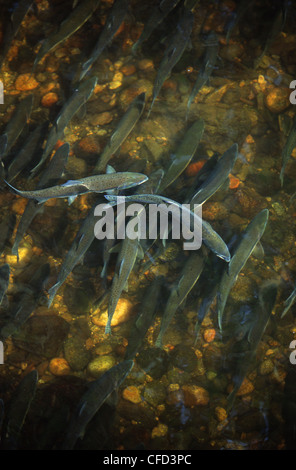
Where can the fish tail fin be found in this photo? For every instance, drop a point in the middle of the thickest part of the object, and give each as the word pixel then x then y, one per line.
pixel 150 109
pixel 16 191
pixel 108 328
pixel 52 292
pixel 282 176
pixel 14 250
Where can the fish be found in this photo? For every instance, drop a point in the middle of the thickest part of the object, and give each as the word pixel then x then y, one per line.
pixel 130 249
pixel 211 54
pixel 78 16
pixel 237 16
pixel 248 240
pixel 25 155
pixel 249 345
pixel 190 4
pixel 201 177
pixel 158 14
pixel 176 46
pixel 12 26
pixel 28 302
pixel 6 231
pixel 277 27
pixel 18 122
pixel 72 188
pixel 189 277
pixel 18 409
pixel 209 283
pixel 80 96
pixel 211 239
pixel 124 128
pixel 149 186
pixel 145 318
pixel 217 177
pixel 113 22
pixel 184 154
pixel 3 145
pixel 288 148
pixel 84 238
pixel 50 175
pixel 289 302
pixel 4 280
pixel 97 393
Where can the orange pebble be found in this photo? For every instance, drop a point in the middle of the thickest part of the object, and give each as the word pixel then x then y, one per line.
pixel 25 82
pixel 209 335
pixel 233 182
pixel 49 99
pixel 194 168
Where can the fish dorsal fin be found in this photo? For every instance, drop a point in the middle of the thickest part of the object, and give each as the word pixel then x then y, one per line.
pixel 71 183
pixel 110 170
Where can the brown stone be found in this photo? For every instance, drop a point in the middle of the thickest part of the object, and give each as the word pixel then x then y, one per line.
pixel 49 99
pixel 89 145
pixel 277 100
pixel 102 119
pixel 195 395
pixel 128 70
pixel 59 366
pixel 26 82
pixel 132 394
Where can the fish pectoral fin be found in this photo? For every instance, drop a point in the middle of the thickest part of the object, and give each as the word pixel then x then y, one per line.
pixel 71 199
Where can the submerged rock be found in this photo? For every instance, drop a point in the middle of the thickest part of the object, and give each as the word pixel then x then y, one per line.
pixel 76 353
pixel 154 361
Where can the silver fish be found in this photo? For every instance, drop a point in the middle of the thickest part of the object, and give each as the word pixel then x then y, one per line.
pixel 50 175
pixel 28 302
pixel 248 241
pixel 124 266
pixel 78 98
pixel 69 26
pixel 217 177
pixel 18 409
pixel 79 247
pixel 124 128
pixel 25 155
pixel 289 302
pixel 288 148
pixel 12 26
pixel 158 14
pixel 212 48
pixel 96 183
pixel 113 22
pixel 277 27
pixel 17 122
pixel 262 314
pixel 184 154
pixel 237 16
pixel 93 399
pixel 177 45
pixel 144 320
pixel 189 277
pixel 211 239
pixel 4 280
